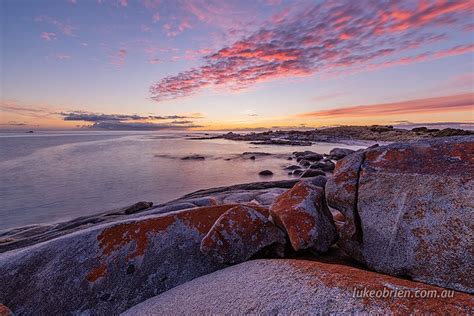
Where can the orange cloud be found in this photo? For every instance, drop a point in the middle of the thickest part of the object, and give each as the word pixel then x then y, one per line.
pixel 452 103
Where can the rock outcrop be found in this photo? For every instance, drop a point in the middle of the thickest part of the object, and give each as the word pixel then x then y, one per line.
pixel 303 214
pixel 409 209
pixel 240 233
pixel 110 267
pixel 302 287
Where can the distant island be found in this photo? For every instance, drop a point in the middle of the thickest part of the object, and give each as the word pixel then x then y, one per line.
pixel 381 133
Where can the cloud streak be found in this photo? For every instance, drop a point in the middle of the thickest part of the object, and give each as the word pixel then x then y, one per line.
pixel 452 103
pixel 98 117
pixel 324 37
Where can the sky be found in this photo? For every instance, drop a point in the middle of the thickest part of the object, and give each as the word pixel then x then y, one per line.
pixel 219 64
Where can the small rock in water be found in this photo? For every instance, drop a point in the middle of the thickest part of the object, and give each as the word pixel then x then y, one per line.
pixel 339 153
pixel 265 173
pixel 240 233
pixel 252 158
pixel 194 157
pixel 327 165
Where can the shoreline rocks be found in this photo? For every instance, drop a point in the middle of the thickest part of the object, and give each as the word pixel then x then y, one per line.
pixel 409 210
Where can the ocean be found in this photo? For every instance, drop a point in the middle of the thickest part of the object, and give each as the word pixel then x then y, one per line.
pixel 48 177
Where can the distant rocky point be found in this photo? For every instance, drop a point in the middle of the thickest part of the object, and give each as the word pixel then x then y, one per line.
pixel 381 133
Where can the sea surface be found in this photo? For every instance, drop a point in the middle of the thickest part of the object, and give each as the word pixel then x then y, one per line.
pixel 48 177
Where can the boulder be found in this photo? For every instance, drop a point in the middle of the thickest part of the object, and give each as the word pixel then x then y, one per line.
pixel 240 233
pixel 339 153
pixel 327 165
pixel 292 167
pixel 108 268
pixel 311 173
pixel 311 157
pixel 5 311
pixel 319 181
pixel 409 210
pixel 265 173
pixel 303 214
pixel 302 287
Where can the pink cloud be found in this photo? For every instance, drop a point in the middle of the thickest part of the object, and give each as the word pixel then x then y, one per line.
pixel 62 56
pixel 64 28
pixel 123 3
pixel 48 36
pixel 155 61
pixel 118 58
pixel 145 28
pixel 452 103
pixel 156 17
pixel 326 37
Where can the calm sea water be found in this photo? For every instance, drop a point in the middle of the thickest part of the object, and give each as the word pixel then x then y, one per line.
pixel 48 177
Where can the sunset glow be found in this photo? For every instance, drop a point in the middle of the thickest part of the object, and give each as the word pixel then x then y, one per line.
pixel 209 65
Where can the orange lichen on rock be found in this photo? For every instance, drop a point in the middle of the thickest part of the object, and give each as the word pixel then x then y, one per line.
pixel 5 311
pixel 352 279
pixel 302 213
pixel 240 233
pixel 96 273
pixel 138 233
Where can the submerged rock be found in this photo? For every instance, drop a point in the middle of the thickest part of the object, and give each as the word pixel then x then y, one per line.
pixel 303 214
pixel 409 211
pixel 240 233
pixel 301 287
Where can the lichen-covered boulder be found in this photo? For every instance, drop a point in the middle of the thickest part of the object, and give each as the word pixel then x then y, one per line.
pixel 409 209
pixel 5 311
pixel 108 268
pixel 303 214
pixel 302 287
pixel 240 233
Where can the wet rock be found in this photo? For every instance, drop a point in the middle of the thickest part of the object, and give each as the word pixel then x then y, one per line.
pixel 303 214
pixel 327 165
pixel 292 167
pixel 301 287
pixel 312 173
pixel 339 153
pixel 319 181
pixel 298 172
pixel 194 157
pixel 265 173
pixel 252 157
pixel 240 233
pixel 77 270
pixel 409 210
pixel 138 207
pixel 304 163
pixel 313 157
